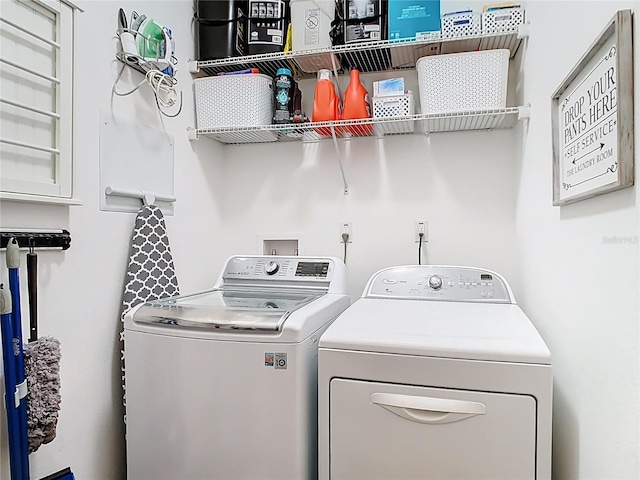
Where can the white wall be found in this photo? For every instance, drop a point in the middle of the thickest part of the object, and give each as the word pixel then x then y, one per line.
pixel 580 291
pixel 487 204
pixel 461 183
pixel 80 290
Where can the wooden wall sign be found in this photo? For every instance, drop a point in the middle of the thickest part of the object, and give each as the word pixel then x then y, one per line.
pixel 592 118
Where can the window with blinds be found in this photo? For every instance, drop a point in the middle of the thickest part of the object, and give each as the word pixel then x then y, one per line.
pixel 36 99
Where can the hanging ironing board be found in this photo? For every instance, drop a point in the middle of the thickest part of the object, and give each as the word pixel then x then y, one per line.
pixel 150 271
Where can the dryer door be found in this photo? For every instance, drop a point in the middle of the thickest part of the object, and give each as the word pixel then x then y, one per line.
pixel 387 431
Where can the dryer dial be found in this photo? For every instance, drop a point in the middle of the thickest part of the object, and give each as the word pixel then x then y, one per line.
pixel 272 267
pixel 435 282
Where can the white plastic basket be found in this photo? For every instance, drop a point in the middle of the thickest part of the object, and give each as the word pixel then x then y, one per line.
pixel 391 107
pixel 498 21
pixel 461 24
pixel 463 81
pixel 233 100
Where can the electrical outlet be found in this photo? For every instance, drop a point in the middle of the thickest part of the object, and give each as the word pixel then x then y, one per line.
pixel 346 228
pixel 422 227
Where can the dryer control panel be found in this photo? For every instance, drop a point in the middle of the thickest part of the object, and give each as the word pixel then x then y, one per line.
pixel 439 282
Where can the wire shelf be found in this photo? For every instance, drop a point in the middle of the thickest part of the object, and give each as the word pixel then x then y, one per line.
pixel 471 120
pixel 368 56
pixel 371 127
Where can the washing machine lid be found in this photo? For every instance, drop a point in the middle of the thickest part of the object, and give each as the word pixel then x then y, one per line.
pixel 460 330
pixel 226 309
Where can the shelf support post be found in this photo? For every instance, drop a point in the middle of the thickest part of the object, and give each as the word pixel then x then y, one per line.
pixel 345 190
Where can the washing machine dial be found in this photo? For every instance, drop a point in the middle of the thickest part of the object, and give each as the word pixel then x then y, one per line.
pixel 435 282
pixel 272 267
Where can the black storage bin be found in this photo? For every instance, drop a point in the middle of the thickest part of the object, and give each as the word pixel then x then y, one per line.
pixel 357 22
pixel 364 20
pixel 267 24
pixel 220 28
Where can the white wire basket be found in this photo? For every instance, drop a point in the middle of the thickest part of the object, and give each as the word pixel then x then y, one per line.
pixel 461 24
pixel 393 107
pixel 238 100
pixel 503 20
pixel 463 81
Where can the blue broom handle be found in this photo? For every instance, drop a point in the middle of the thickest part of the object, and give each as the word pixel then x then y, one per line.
pixel 8 357
pixel 13 263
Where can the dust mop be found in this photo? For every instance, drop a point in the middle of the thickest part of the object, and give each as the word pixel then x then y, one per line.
pixel 42 370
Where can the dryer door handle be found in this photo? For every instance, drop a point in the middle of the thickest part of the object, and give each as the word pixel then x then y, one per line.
pixel 428 409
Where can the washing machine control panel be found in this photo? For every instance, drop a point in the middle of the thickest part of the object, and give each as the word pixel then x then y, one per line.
pixel 280 268
pixel 429 282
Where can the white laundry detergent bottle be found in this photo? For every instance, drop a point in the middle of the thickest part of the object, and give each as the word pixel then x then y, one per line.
pixel 310 27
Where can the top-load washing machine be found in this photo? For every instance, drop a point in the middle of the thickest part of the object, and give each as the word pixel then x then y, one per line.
pixel 434 373
pixel 222 384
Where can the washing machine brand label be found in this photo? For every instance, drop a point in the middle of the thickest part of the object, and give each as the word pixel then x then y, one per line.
pixel 276 360
pixel 268 360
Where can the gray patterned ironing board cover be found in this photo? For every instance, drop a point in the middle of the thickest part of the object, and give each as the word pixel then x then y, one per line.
pixel 150 271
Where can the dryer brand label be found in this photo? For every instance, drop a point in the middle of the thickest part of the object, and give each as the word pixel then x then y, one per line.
pixel 276 360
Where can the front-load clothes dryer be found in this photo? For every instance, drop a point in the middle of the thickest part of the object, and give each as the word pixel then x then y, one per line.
pixel 222 384
pixel 435 372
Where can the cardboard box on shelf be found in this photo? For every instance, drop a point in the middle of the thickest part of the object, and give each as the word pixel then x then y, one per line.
pixel 413 19
pixel 391 86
